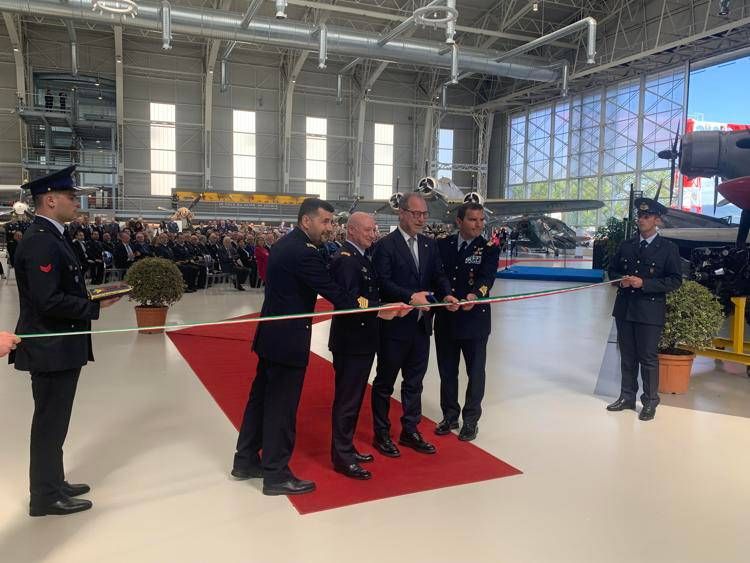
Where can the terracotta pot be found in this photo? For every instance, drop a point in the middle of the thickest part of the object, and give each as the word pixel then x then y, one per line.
pixel 674 373
pixel 150 316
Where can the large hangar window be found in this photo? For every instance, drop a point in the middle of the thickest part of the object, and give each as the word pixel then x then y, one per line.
pixel 383 161
pixel 316 154
pixel 163 149
pixel 243 149
pixel 595 144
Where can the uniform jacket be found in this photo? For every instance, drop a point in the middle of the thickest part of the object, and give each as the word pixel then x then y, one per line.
pixel 53 298
pixel 354 334
pixel 398 279
pixel 296 274
pixel 659 266
pixel 471 271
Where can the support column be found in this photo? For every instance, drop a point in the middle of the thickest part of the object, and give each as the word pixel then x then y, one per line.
pixel 15 41
pixel 286 140
pixel 359 147
pixel 117 188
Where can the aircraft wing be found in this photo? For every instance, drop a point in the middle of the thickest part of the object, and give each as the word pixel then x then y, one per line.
pixel 539 206
pixel 366 205
pixel 679 219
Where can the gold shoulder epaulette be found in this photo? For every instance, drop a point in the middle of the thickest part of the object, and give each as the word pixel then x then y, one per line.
pixel 345 253
pixel 311 245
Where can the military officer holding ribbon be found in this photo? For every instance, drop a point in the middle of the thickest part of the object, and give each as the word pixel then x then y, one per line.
pixel 354 340
pixel 296 274
pixel 470 263
pixel 53 298
pixel 648 267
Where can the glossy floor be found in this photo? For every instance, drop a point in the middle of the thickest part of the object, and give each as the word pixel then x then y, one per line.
pixel 596 486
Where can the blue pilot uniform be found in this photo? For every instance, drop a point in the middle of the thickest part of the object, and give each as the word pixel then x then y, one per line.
pixel 354 341
pixel 53 298
pixel 471 267
pixel 296 274
pixel 639 313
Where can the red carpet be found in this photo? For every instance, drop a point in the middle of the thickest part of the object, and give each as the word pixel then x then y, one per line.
pixel 222 359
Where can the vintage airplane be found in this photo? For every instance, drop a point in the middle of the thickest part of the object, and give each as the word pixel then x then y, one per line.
pixel 444 198
pixel 706 154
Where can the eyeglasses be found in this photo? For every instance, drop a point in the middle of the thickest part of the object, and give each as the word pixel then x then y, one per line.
pixel 418 214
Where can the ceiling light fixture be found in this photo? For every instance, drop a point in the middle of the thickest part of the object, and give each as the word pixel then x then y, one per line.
pixel 535 7
pixel 724 8
pixel 115 7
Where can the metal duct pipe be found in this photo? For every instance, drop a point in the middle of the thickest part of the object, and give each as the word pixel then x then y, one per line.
pixel 454 64
pixel 216 24
pixel 252 9
pixel 73 47
pixel 450 27
pixel 224 77
pixel 166 25
pixel 323 44
pixel 567 30
pixel 280 9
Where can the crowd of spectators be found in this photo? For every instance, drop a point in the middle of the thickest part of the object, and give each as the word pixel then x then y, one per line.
pixel 202 248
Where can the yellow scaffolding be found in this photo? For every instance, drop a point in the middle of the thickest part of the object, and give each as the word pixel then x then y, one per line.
pixel 734 348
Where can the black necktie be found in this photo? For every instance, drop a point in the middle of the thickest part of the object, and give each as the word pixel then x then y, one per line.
pixel 462 247
pixel 644 244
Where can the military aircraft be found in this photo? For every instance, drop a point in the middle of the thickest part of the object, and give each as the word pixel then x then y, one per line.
pixel 706 154
pixel 444 198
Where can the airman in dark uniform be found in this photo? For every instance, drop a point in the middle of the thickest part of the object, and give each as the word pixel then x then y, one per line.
pixel 648 267
pixel 297 273
pixel 354 341
pixel 471 264
pixel 53 298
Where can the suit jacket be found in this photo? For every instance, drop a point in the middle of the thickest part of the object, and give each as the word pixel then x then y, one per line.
pixel 399 279
pixel 471 271
pixel 120 256
pixel 659 266
pixel 53 298
pixel 354 334
pixel 296 274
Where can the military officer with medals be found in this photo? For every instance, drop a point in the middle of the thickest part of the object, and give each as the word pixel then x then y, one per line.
pixel 296 274
pixel 354 340
pixel 470 262
pixel 53 298
pixel 647 267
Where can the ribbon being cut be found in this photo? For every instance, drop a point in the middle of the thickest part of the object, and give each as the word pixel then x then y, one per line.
pixel 485 300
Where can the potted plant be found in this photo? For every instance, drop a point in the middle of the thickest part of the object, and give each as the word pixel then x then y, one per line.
pixel 157 283
pixel 693 319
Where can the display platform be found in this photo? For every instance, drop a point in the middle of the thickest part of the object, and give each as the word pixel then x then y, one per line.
pixel 551 274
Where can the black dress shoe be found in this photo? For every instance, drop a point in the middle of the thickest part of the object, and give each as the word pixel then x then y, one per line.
pixel 240 288
pixel 468 432
pixel 62 507
pixel 353 470
pixel 647 412
pixel 445 426
pixel 621 405
pixel 363 458
pixel 244 474
pixel 385 446
pixel 74 490
pixel 293 486
pixel 415 441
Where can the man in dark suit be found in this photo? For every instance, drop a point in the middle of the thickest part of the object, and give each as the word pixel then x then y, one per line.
pixel 124 255
pixel 648 267
pixel 409 270
pixel 53 298
pixel 79 247
pixel 296 274
pixel 94 250
pixel 470 262
pixel 354 340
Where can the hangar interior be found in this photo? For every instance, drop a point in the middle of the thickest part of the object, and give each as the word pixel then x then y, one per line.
pixel 517 99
